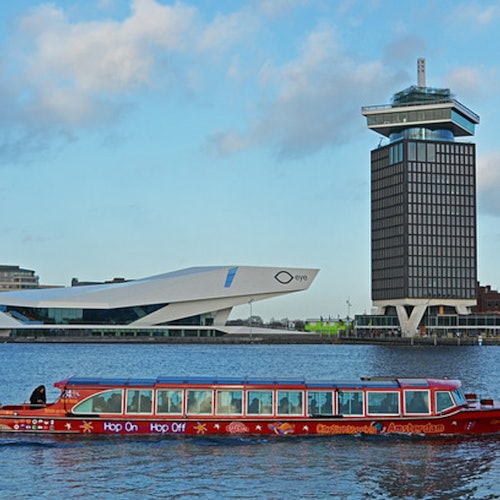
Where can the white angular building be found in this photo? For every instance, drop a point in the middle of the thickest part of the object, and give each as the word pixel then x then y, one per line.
pixel 190 302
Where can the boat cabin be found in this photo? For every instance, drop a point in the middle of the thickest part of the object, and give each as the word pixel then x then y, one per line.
pixel 176 397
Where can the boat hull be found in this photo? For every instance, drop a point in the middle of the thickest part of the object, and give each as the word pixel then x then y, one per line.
pixel 460 423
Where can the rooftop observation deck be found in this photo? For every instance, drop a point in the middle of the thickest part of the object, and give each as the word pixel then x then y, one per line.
pixel 423 107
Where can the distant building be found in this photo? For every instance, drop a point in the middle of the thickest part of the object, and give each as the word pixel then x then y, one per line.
pixel 328 326
pixel 423 206
pixel 488 300
pixel 77 282
pixel 17 278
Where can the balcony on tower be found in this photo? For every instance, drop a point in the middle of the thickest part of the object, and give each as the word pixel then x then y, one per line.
pixel 422 113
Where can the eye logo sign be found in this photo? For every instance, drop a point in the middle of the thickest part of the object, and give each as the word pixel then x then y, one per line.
pixel 283 277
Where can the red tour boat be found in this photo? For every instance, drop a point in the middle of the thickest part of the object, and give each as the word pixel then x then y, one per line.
pixel 258 406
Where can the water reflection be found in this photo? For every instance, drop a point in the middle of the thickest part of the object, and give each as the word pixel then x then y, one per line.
pixel 343 466
pixel 434 468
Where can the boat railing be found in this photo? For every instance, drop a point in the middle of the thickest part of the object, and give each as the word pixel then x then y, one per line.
pixel 22 406
pixel 487 402
pixel 471 397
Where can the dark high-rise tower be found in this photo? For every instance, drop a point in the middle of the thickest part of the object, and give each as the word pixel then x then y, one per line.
pixel 423 205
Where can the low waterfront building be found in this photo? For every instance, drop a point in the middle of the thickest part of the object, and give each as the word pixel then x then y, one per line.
pixel 190 302
pixel 329 326
pixel 438 322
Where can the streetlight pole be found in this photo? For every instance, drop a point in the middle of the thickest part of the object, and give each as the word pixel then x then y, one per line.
pixel 348 302
pixel 251 316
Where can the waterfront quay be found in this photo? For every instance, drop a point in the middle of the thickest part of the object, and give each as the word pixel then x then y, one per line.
pixel 267 338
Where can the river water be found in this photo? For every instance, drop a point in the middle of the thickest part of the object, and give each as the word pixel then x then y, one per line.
pixel 378 467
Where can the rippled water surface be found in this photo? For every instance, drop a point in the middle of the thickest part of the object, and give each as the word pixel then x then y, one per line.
pixel 246 467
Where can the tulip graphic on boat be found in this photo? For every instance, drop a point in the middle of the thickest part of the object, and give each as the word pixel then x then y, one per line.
pixel 282 428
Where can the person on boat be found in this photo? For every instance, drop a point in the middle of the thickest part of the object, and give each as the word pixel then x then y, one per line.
pixel 253 407
pixel 313 408
pixel 38 397
pixel 284 406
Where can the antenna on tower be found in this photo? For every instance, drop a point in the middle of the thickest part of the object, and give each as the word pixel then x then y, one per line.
pixel 421 71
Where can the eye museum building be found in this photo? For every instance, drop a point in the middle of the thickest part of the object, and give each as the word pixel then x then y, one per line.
pixel 190 302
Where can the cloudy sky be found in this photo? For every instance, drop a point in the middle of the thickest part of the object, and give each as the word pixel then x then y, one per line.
pixel 144 136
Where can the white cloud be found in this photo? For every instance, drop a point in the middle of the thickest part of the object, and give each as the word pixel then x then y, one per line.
pixel 476 14
pixel 58 75
pixel 65 75
pixel 477 81
pixel 312 102
pixel 102 56
pixel 488 182
pixel 226 29
pixel 466 78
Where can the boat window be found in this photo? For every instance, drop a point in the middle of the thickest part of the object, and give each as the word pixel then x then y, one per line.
pixel 443 401
pixel 383 403
pixel 289 402
pixel 417 402
pixel 229 402
pixel 103 402
pixel 259 402
pixel 350 403
pixel 139 400
pixel 169 401
pixel 199 402
pixel 319 403
pixel 459 396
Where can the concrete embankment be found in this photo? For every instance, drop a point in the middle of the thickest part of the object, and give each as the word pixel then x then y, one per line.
pixel 278 338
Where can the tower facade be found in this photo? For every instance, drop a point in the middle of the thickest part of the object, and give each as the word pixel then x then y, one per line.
pixel 423 205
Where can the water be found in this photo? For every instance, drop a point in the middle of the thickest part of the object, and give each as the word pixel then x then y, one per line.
pixel 354 467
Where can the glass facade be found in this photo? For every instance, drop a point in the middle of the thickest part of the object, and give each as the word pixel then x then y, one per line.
pixel 424 220
pixel 422 134
pixel 421 116
pixel 68 315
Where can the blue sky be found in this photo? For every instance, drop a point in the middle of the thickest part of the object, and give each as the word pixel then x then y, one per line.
pixel 143 136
